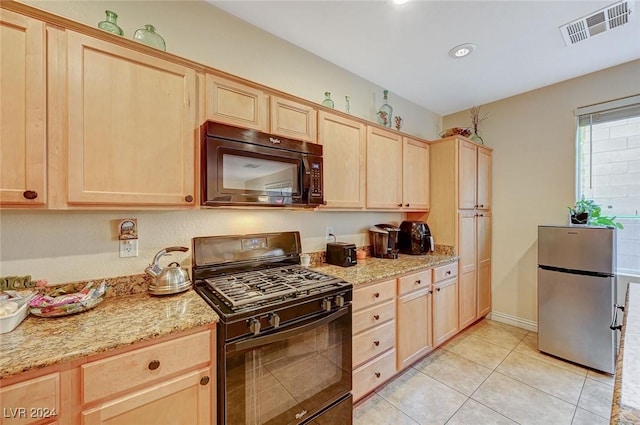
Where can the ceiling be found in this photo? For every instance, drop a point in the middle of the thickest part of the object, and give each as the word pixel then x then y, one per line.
pixel 404 48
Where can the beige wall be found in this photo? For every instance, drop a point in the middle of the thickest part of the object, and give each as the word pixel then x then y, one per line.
pixel 65 246
pixel 533 135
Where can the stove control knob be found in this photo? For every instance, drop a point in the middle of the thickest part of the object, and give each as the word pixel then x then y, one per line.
pixel 274 320
pixel 326 304
pixel 339 300
pixel 254 326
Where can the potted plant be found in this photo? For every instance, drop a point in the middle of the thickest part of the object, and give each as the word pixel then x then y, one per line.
pixel 587 212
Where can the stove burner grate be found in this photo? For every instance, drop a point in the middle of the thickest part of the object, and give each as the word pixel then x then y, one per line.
pixel 261 286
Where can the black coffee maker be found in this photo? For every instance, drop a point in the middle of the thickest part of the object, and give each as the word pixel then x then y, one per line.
pixel 415 238
pixel 384 241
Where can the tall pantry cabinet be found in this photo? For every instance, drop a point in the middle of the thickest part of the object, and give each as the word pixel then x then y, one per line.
pixel 460 216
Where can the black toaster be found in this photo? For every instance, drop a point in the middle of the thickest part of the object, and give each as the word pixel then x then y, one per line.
pixel 341 254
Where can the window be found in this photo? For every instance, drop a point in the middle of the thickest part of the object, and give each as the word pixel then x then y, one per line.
pixel 608 167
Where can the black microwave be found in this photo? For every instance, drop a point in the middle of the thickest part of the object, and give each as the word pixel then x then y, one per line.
pixel 242 167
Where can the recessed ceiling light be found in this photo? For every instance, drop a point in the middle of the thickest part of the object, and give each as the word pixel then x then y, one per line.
pixel 462 50
pixel 400 1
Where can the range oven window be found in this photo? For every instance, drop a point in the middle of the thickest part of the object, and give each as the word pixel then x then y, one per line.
pixel 287 379
pixel 259 175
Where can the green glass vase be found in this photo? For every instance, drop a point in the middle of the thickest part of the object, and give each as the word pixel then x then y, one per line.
pixel 150 37
pixel 110 24
pixel 327 100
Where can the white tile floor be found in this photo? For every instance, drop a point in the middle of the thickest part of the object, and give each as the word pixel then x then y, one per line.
pixel 491 373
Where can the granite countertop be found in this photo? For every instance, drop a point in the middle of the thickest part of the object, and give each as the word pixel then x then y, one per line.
pixel 625 407
pixel 373 269
pixel 118 321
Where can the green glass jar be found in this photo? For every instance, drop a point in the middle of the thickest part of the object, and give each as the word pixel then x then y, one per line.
pixel 150 37
pixel 385 113
pixel 110 23
pixel 327 100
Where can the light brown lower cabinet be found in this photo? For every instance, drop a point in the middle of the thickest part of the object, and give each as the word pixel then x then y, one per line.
pixel 374 336
pixel 182 400
pixel 161 382
pixel 415 338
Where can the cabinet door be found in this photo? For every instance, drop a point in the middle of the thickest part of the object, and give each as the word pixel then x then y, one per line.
pixel 445 310
pixel 484 179
pixel 344 145
pixel 30 401
pixel 182 400
pixel 23 140
pixel 132 129
pixel 236 104
pixel 467 173
pixel 292 119
pixel 468 269
pixel 415 169
pixel 384 169
pixel 484 263
pixel 414 326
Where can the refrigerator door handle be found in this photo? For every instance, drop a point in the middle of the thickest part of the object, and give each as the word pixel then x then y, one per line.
pixel 614 320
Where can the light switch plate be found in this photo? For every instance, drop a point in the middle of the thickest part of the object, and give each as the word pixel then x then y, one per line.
pixel 129 248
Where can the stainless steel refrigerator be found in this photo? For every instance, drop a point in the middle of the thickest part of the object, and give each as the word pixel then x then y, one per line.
pixel 576 294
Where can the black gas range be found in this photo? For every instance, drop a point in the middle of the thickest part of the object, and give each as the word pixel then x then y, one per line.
pixel 283 329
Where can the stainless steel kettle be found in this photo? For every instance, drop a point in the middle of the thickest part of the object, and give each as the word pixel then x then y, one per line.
pixel 171 279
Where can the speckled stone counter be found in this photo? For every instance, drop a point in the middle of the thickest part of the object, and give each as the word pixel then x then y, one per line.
pixel 116 322
pixel 625 407
pixel 373 269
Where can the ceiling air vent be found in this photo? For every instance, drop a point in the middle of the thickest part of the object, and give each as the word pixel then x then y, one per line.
pixel 603 20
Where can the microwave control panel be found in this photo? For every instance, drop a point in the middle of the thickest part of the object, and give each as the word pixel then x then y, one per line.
pixel 315 190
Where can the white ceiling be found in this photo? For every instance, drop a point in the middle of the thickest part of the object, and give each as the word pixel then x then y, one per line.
pixel 405 48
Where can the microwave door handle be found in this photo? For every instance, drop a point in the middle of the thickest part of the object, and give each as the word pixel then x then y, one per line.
pixel 305 164
pixel 286 334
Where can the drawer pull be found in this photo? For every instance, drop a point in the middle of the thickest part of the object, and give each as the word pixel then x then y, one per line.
pixel 204 380
pixel 376 295
pixel 448 272
pixel 376 343
pixel 30 194
pixel 376 317
pixel 418 282
pixel 377 374
pixel 154 364
pixel 438 289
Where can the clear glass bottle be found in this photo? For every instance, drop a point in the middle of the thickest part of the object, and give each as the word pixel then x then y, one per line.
pixel 110 23
pixel 327 100
pixel 347 107
pixel 385 113
pixel 150 37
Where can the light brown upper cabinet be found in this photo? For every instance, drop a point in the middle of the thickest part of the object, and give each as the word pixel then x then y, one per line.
pixel 292 119
pixel 475 176
pixel 23 143
pixel 343 150
pixel 236 104
pixel 415 172
pixel 131 126
pixel 384 169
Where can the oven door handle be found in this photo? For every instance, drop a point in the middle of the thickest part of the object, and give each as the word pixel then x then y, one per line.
pixel 285 334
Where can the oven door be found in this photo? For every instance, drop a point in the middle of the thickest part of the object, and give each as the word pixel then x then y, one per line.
pixel 239 173
pixel 292 376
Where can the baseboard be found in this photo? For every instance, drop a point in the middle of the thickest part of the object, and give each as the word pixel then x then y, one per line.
pixel 529 325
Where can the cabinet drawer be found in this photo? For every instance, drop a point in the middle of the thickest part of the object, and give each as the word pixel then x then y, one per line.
pixel 30 401
pixel 373 316
pixel 373 294
pixel 369 344
pixel 413 282
pixel 373 374
pixel 445 272
pixel 112 375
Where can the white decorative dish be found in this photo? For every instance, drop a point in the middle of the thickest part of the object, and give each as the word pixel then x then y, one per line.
pixel 11 321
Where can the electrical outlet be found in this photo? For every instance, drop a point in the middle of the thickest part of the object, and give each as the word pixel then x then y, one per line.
pixel 128 248
pixel 329 234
